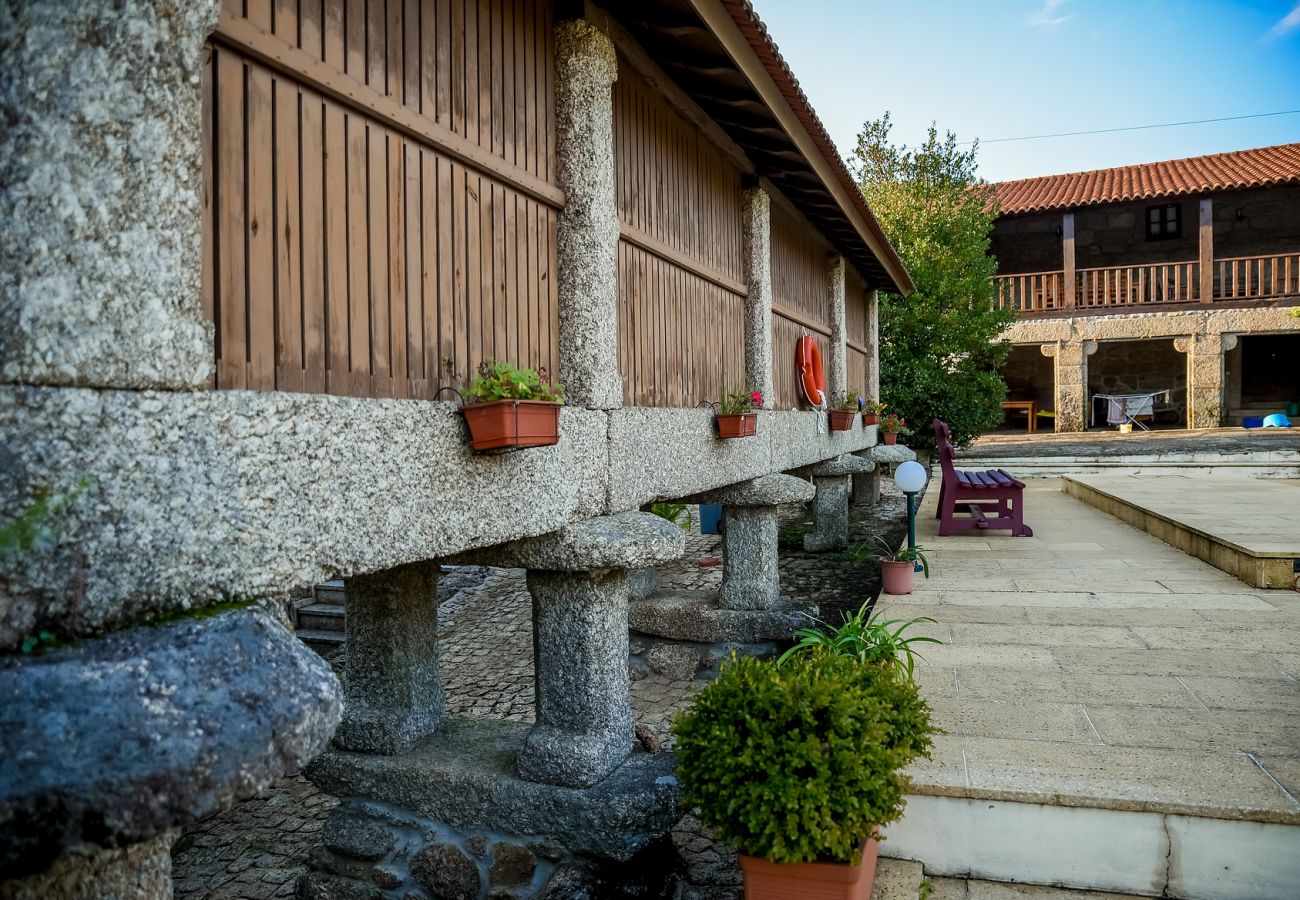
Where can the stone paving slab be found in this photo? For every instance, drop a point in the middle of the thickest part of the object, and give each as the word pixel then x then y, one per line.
pixel 1077 688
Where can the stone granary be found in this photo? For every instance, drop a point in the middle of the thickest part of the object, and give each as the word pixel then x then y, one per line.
pixel 1175 278
pixel 246 249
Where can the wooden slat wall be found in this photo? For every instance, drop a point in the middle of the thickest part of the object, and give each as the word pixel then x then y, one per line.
pixel 681 306
pixel 799 284
pixel 855 328
pixel 346 254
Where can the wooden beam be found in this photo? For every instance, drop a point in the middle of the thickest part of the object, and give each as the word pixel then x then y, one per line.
pixel 638 238
pixel 247 39
pixel 1207 250
pixel 799 318
pixel 1067 253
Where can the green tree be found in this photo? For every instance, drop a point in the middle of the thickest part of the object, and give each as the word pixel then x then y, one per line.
pixel 939 347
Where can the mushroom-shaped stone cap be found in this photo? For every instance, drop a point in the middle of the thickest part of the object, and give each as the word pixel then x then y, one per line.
pixel 892 453
pixel 625 540
pixel 847 464
pixel 768 490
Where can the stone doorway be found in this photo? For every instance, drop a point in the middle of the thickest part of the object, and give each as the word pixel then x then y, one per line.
pixel 1122 367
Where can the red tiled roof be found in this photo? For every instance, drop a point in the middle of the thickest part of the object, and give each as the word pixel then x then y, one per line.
pixel 1173 178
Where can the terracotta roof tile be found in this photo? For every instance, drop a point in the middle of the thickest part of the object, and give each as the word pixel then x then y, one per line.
pixel 1173 178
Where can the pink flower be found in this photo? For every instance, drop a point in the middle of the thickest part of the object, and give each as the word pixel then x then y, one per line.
pixel 757 397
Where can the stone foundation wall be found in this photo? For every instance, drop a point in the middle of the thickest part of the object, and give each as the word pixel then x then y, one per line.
pixel 1136 366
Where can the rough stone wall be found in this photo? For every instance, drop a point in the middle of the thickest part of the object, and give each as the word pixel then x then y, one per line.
pixel 100 173
pixel 756 256
pixel 1071 381
pixel 1269 222
pixel 1205 377
pixel 139 872
pixel 837 379
pixel 1120 367
pixel 587 234
pixel 1149 325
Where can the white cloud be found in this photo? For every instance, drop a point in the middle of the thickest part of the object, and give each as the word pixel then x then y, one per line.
pixel 1287 24
pixel 1047 17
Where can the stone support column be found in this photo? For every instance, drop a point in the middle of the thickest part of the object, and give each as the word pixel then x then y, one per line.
pixel 1205 376
pixel 831 503
pixel 1071 382
pixel 99 253
pixel 873 344
pixel 837 377
pixel 393 692
pixel 866 485
pixel 587 234
pixel 578 577
pixel 756 258
pixel 751 579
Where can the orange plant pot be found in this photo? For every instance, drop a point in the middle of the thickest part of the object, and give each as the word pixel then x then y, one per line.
pixel 871 418
pixel 889 437
pixel 810 881
pixel 842 419
pixel 898 578
pixel 512 424
pixel 736 425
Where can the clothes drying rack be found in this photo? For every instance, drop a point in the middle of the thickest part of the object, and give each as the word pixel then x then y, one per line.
pixel 1124 409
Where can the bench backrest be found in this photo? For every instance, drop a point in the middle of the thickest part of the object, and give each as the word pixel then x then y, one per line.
pixel 943 447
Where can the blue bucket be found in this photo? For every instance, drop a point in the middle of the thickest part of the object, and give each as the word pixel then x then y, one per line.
pixel 710 518
pixel 1252 422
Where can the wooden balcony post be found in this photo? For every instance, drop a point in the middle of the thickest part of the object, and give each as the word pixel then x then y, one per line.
pixel 1067 254
pixel 1207 251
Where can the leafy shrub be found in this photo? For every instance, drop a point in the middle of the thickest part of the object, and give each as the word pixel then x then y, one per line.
pixel 878 641
pixel 677 513
pixel 501 381
pixel 799 762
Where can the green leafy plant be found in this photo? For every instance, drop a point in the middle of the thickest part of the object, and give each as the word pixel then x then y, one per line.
pixel 874 406
pixel 677 513
pixel 800 762
pixel 740 401
pixel 498 380
pixel 846 401
pixel 32 530
pixel 894 424
pixel 886 552
pixel 877 641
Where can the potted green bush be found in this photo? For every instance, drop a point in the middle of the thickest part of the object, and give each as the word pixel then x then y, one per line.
pixel 799 764
pixel 510 408
pixel 844 409
pixel 898 566
pixel 735 416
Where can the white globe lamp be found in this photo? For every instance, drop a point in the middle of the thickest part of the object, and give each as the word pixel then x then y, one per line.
pixel 910 478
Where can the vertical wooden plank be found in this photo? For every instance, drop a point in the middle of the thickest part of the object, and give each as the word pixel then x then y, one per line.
pixel 208 204
pixel 488 267
pixel 335 203
pixel 412 56
pixel 357 167
pixel 1067 253
pixel 395 49
pixel 397 317
pixel 261 232
pixel 376 45
pixel 472 75
pixel 332 33
pixel 288 239
pixel 427 48
pixel 529 106
pixel 509 101
pixel 311 20
pixel 445 205
pixel 450 79
pixel 231 297
pixel 354 38
pixel 1206 243
pixel 313 146
pixel 496 85
pixel 378 251
pixel 419 324
pixel 509 314
pixel 284 22
pixel 259 13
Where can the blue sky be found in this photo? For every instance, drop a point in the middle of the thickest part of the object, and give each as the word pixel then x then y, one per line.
pixel 1006 68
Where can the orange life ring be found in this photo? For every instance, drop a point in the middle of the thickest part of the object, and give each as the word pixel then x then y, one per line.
pixel 812 377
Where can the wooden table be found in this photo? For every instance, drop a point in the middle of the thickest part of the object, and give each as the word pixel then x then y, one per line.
pixel 1027 406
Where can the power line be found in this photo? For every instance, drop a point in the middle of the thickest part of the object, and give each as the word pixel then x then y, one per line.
pixel 1039 137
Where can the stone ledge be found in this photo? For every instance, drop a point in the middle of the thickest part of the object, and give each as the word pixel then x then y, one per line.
pixel 892 453
pixel 696 616
pixel 847 464
pixel 623 541
pixel 117 740
pixel 769 490
pixel 465 775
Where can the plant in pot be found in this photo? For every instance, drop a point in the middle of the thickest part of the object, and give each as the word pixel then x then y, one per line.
pixel 510 408
pixel 898 566
pixel 891 426
pixel 844 409
pixel 735 416
pixel 872 410
pixel 878 641
pixel 799 764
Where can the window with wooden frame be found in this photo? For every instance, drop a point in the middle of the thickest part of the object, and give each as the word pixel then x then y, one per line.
pixel 1164 222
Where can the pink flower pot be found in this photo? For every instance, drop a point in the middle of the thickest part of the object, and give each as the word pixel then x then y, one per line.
pixel 898 577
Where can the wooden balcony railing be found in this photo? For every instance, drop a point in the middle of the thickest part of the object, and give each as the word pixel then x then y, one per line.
pixel 1235 278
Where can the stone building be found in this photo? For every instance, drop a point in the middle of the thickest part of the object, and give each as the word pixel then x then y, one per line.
pixel 247 247
pixel 1175 277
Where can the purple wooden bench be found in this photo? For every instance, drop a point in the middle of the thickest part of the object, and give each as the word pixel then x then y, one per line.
pixel 993 498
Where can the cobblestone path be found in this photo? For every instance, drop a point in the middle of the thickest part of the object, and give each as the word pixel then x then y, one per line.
pixel 257 849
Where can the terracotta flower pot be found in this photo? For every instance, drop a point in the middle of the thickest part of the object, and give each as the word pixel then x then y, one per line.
pixel 842 419
pixel 871 418
pixel 889 437
pixel 810 881
pixel 504 424
pixel 736 425
pixel 898 577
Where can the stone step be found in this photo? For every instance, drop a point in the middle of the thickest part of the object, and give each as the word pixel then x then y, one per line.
pixel 320 617
pixel 897 879
pixel 321 641
pixel 331 592
pixel 1114 847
